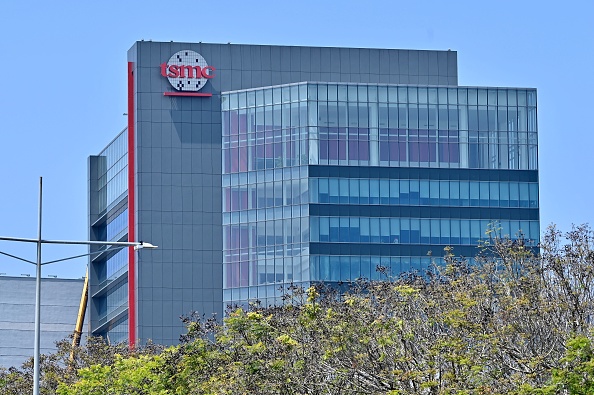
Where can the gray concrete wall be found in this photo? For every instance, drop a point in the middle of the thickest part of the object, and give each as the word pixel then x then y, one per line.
pixel 60 299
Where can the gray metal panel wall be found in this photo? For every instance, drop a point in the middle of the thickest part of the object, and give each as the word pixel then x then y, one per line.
pixel 60 300
pixel 178 158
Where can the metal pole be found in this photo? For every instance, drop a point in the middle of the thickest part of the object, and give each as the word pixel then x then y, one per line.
pixel 139 244
pixel 37 302
pixel 39 241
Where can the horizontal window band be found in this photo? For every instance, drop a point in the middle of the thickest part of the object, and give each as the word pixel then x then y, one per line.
pixel 421 173
pixel 377 249
pixel 432 212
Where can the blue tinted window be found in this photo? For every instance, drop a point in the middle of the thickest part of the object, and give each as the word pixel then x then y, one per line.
pixel 424 192
pixel 354 191
pixel 533 191
pixel 414 192
pixel 474 194
pixel 425 231
pixel 374 192
pixel 394 192
pixel 494 194
pixel 524 195
pixel 364 191
pixel 404 192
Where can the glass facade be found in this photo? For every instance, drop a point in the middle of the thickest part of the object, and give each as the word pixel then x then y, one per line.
pixel 332 268
pixel 112 167
pixel 267 245
pixel 309 166
pixel 412 230
pixel 118 332
pixel 109 282
pixel 424 192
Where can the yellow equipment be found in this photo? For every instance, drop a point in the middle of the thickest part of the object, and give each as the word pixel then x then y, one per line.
pixel 80 320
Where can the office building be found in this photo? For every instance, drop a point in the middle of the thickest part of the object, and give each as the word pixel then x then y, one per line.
pixel 255 167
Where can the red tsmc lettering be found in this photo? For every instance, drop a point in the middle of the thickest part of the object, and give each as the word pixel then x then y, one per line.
pixel 175 71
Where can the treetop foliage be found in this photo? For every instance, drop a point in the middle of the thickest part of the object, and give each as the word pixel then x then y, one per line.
pixel 514 322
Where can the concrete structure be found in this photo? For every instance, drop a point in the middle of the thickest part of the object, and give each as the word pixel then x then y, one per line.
pixel 60 299
pixel 254 167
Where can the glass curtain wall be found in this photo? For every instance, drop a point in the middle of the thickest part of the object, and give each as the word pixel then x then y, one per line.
pixel 271 136
pixel 110 296
pixel 265 192
pixel 409 126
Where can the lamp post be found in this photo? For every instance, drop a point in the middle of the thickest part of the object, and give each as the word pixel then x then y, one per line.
pixel 39 242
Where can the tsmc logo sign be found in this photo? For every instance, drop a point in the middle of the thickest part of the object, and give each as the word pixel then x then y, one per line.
pixel 187 72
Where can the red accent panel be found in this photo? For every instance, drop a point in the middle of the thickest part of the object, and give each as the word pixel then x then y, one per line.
pixel 186 94
pixel 131 212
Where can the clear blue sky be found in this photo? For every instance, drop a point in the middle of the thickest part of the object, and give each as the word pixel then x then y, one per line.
pixel 63 80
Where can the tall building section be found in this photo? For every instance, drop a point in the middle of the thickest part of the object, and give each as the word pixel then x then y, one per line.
pixel 108 219
pixel 256 167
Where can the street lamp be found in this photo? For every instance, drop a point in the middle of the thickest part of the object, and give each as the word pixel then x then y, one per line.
pixel 39 241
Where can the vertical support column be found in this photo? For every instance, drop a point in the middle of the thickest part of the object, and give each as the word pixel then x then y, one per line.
pixel 463 128
pixel 131 211
pixel 373 147
pixel 312 132
pixel 373 134
pixel 36 350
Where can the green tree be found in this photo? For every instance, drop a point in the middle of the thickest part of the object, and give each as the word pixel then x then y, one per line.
pixel 515 322
pixel 133 375
pixel 57 367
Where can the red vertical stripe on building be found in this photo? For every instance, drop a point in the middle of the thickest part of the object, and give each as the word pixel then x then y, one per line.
pixel 131 212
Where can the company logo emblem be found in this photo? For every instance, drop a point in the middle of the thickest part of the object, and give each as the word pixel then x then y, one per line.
pixel 187 72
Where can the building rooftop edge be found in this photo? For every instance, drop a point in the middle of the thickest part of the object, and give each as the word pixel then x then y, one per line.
pixel 381 84
pixel 32 278
pixel 292 46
